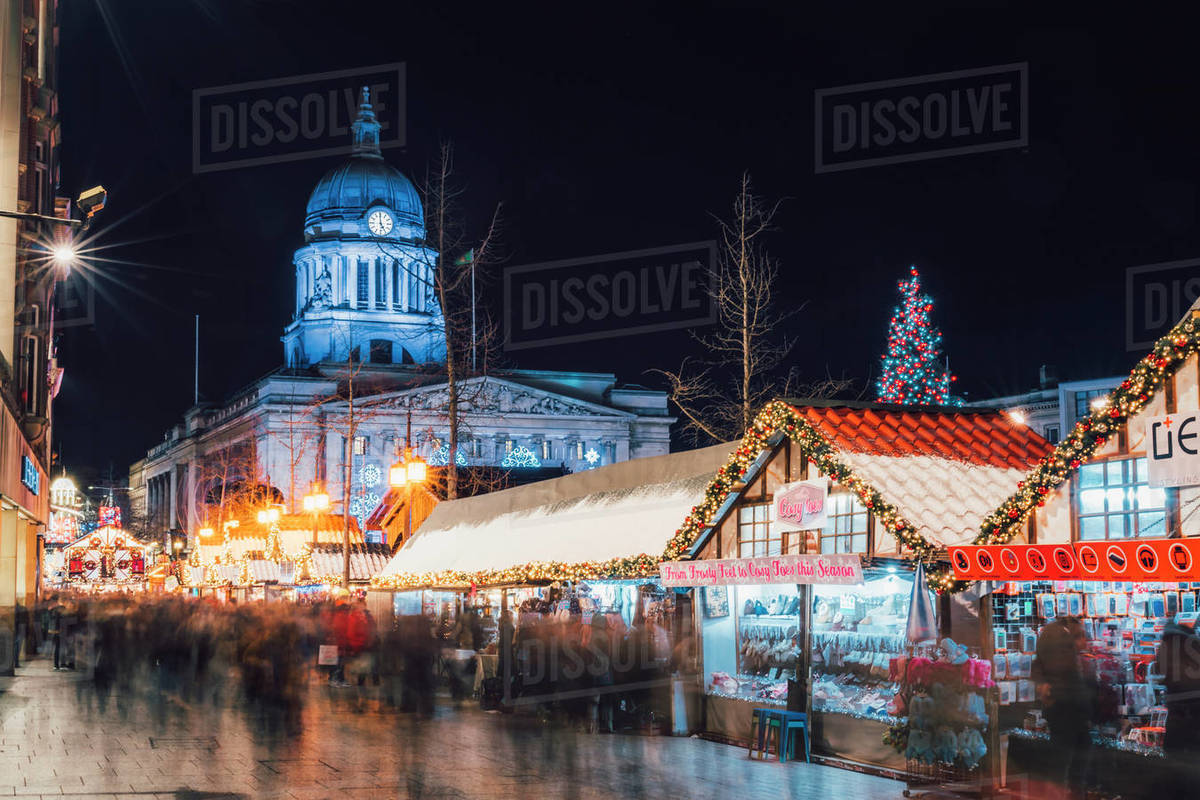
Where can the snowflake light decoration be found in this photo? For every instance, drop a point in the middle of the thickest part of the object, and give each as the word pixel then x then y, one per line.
pixel 591 456
pixel 361 506
pixel 370 475
pixel 521 456
pixel 440 457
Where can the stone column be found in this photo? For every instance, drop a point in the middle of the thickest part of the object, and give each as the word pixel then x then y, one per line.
pixel 9 567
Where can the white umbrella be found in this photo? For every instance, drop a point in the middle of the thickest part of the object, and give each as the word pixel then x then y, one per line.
pixel 922 620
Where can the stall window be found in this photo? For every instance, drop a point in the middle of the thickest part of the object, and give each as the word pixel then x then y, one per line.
pixel 846 531
pixel 754 532
pixel 1115 502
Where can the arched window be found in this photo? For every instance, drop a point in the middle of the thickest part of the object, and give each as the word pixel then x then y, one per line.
pixel 381 351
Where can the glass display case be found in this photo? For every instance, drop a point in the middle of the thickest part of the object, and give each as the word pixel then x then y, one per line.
pixel 856 631
pixel 753 641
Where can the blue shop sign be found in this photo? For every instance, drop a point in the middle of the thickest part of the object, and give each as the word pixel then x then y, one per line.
pixel 29 474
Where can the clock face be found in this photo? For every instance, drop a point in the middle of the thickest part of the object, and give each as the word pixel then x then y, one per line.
pixel 380 223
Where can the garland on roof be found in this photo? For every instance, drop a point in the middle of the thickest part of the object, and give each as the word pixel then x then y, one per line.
pixel 639 566
pixel 1089 435
pixel 779 417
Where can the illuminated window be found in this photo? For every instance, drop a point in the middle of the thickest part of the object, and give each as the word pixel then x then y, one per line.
pixel 1083 401
pixel 364 283
pixel 846 530
pixel 545 450
pixel 579 451
pixel 1113 501
pixel 754 532
pixel 508 446
pixel 361 443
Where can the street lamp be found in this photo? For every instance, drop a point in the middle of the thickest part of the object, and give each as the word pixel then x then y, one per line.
pixel 206 532
pixel 406 474
pixel 316 502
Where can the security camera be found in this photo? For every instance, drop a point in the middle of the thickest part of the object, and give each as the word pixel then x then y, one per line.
pixel 91 201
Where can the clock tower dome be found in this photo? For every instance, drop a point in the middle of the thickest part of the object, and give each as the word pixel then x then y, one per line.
pixel 364 277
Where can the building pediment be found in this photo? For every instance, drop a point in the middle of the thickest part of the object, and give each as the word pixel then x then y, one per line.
pixel 489 395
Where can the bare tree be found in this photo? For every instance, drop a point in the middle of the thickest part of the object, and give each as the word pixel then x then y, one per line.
pixel 719 394
pixel 299 434
pixel 231 483
pixel 457 267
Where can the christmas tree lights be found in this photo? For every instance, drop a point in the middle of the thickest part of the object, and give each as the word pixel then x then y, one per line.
pixel 914 370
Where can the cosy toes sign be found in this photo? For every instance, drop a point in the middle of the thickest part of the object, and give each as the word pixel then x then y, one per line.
pixel 800 506
pixel 1134 559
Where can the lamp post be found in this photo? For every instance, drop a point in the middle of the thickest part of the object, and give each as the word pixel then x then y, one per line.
pixel 316 502
pixel 406 474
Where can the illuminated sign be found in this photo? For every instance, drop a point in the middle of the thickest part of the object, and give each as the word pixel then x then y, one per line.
pixel 1131 559
pixel 29 474
pixel 801 506
pixel 1173 450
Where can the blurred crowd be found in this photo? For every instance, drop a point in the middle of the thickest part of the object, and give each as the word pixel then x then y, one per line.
pixel 593 671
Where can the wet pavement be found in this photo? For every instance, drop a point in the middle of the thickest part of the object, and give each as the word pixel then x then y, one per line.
pixel 56 741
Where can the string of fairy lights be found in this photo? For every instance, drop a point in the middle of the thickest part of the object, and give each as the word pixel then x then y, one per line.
pixel 1089 435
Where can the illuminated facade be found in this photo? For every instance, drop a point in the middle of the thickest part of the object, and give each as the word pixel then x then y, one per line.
pixel 364 310
pixel 29 149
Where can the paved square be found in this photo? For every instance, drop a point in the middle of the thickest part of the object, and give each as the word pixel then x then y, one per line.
pixel 55 741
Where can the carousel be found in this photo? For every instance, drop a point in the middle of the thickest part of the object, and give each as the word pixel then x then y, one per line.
pixel 106 559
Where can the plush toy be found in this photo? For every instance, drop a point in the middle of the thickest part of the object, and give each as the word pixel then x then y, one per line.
pixel 971 747
pixel 955 653
pixel 945 745
pixel 920 745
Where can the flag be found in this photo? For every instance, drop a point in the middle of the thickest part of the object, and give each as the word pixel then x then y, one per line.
pixel 465 259
pixel 922 621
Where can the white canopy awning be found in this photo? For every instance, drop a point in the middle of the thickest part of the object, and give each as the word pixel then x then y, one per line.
pixel 617 511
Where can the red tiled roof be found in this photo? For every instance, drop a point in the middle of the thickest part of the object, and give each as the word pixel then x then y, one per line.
pixel 987 438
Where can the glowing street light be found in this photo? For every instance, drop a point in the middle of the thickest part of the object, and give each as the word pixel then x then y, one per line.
pixel 206 532
pixel 268 516
pixel 64 255
pixel 407 474
pixel 315 502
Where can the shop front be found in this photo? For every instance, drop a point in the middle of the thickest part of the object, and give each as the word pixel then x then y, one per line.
pixel 1102 531
pixel 815 486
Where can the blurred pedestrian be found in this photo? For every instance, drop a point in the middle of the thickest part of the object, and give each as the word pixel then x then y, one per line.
pixel 1068 700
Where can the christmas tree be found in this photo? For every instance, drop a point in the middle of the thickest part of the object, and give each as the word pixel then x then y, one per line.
pixel 914 370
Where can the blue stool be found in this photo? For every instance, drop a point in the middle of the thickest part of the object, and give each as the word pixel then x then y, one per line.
pixel 762 723
pixel 795 722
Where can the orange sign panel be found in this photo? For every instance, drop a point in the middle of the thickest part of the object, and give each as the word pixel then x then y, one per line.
pixel 1122 560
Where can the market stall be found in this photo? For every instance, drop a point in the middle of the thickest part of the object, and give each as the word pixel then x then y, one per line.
pixel 106 559
pixel 1100 530
pixel 569 549
pixel 878 484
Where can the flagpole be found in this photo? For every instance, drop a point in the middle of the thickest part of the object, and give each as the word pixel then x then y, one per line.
pixel 472 312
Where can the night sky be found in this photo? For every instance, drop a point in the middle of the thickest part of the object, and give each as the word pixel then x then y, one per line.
pixel 603 129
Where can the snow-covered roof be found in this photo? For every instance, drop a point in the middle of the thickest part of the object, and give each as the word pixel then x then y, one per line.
pixel 943 469
pixel 366 561
pixel 611 512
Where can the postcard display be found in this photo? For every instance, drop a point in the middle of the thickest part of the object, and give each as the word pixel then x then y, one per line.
pixel 754 643
pixel 1123 622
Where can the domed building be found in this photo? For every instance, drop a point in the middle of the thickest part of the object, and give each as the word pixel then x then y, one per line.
pixel 364 282
pixel 365 306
